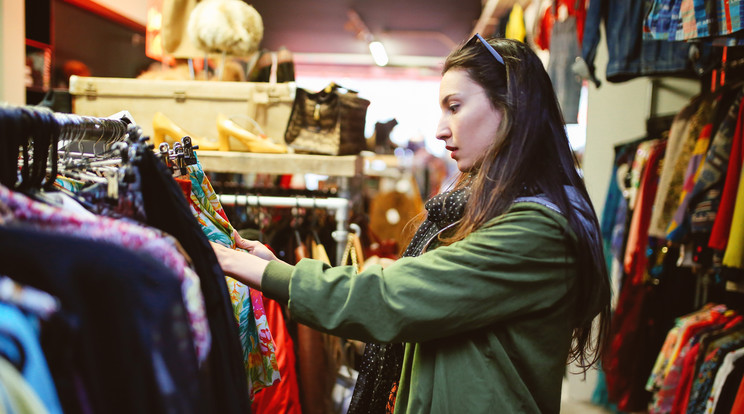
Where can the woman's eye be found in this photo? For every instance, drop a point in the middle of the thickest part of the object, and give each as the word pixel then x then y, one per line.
pixel 454 107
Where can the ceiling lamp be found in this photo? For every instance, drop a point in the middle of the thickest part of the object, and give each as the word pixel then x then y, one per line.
pixel 376 48
pixel 378 53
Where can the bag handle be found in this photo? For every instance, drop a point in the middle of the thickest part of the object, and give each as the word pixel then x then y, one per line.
pixel 333 86
pixel 274 69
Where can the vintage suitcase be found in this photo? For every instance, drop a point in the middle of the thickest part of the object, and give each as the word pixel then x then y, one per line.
pixel 192 105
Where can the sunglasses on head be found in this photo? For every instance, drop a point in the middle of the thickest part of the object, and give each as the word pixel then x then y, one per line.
pixel 488 46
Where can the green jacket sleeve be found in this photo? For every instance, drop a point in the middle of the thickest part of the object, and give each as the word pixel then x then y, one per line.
pixel 519 264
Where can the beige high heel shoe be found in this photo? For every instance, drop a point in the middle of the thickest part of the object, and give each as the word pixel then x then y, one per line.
pixel 246 140
pixel 163 127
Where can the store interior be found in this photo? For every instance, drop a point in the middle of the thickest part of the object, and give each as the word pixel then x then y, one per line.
pixel 651 113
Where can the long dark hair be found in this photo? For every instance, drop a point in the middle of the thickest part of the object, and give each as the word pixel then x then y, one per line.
pixel 534 157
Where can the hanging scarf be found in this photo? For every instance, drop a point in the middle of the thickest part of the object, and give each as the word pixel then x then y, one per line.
pixel 259 355
pixel 380 370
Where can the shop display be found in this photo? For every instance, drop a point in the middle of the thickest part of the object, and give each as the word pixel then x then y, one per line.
pixel 128 310
pixel 117 261
pixel 666 228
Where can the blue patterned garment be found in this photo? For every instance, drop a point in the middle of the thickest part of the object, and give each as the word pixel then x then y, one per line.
pixel 703 382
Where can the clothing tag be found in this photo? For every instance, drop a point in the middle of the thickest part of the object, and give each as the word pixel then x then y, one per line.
pixel 112 190
pixel 27 298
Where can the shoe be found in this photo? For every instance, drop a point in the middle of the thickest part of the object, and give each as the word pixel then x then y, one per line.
pixel 244 140
pixel 163 127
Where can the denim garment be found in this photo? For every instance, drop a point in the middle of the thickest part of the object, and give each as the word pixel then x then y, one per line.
pixel 564 49
pixel 729 15
pixel 693 19
pixel 658 22
pixel 630 55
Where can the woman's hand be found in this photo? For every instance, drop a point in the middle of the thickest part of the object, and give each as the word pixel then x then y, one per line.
pixel 244 267
pixel 254 247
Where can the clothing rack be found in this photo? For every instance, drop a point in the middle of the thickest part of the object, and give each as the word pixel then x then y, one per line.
pixel 37 132
pixel 340 206
pixel 72 126
pixel 88 127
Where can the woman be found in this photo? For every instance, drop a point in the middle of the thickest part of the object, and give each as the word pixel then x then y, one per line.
pixel 499 288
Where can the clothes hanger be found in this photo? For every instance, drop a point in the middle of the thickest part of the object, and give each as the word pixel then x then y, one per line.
pixel 261 216
pixel 318 250
pixel 10 120
pixel 36 133
pixel 301 251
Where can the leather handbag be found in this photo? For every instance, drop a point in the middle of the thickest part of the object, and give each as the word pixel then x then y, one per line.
pixel 329 122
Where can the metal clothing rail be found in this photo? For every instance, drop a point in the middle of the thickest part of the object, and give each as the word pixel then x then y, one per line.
pixel 70 126
pixel 91 128
pixel 38 132
pixel 340 206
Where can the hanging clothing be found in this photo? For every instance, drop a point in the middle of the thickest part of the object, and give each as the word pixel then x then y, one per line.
pixel 678 132
pixel 558 11
pixel 631 55
pixel 675 163
pixel 670 371
pixel 706 195
pixel 515 28
pixel 646 163
pixel 169 355
pixel 731 390
pixel 680 225
pixel 727 366
pixel 259 355
pixel 692 19
pixel 17 396
pixel 734 255
pixel 716 351
pixel 114 347
pixel 612 206
pixel 283 397
pixel 19 338
pixel 722 225
pixel 167 209
pixel 564 49
pixel 138 238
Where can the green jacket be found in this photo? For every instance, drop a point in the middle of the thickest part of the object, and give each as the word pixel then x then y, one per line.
pixel 486 320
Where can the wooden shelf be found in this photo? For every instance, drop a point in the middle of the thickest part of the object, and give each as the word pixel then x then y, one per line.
pixel 250 162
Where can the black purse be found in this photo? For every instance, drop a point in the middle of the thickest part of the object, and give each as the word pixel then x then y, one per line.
pixel 329 122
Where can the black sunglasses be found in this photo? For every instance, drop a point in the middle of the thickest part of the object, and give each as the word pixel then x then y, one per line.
pixel 488 46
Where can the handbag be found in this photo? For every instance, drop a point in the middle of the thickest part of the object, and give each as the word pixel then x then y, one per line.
pixel 329 122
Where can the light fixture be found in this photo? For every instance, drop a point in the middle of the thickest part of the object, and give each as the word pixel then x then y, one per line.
pixel 377 49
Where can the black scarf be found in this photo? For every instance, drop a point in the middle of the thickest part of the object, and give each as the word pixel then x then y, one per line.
pixel 377 384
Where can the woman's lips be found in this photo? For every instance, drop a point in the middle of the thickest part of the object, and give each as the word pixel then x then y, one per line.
pixel 453 151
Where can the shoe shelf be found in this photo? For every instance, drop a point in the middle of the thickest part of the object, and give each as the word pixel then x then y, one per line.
pixel 251 162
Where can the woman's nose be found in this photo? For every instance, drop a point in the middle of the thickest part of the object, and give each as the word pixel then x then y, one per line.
pixel 443 131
